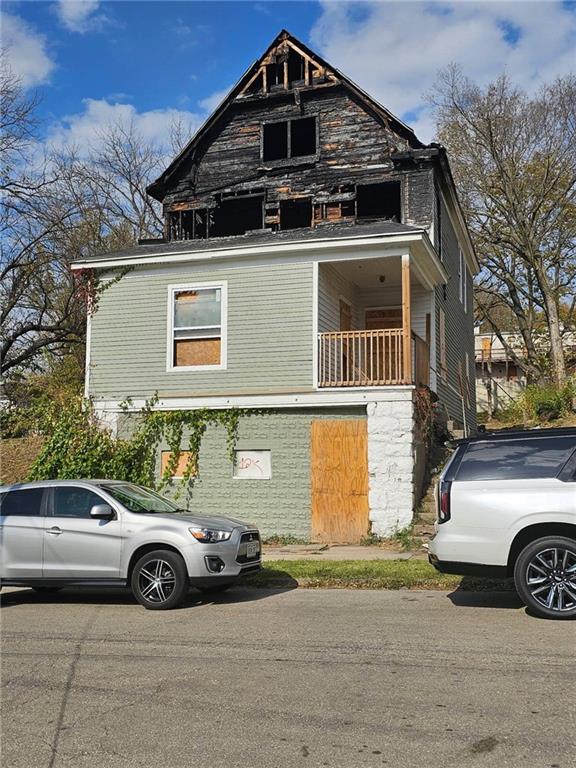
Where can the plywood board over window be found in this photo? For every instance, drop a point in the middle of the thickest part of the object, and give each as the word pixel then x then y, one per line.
pixel 183 460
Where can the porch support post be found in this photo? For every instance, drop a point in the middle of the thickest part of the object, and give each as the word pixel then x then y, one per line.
pixel 406 320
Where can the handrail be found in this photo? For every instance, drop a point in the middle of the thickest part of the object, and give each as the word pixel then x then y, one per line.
pixel 360 358
pixel 420 361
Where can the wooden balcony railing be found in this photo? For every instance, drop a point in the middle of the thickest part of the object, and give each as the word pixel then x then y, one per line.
pixel 369 359
pixel 360 358
pixel 420 362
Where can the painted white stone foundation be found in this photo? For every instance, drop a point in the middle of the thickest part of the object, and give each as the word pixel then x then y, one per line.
pixel 391 463
pixel 107 420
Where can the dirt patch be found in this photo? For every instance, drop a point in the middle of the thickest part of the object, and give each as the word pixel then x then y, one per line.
pixel 16 457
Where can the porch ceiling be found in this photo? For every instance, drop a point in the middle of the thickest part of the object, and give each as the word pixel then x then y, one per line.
pixel 368 273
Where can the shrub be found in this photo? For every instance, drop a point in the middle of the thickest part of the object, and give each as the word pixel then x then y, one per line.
pixel 77 445
pixel 544 402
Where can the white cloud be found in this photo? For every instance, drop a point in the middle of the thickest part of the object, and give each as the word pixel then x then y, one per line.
pixel 80 15
pixel 394 50
pixel 25 50
pixel 84 130
pixel 210 103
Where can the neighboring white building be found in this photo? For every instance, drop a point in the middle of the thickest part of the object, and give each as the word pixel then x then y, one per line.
pixel 499 380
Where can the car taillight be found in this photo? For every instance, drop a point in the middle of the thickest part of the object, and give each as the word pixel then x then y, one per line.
pixel 444 506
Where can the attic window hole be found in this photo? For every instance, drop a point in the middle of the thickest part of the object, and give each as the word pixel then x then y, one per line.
pixel 295 214
pixel 289 138
pixel 379 201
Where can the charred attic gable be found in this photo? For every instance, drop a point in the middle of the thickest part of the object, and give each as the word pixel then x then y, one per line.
pixel 295 144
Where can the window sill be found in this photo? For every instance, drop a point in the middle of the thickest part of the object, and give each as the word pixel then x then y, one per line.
pixel 289 162
pixel 188 368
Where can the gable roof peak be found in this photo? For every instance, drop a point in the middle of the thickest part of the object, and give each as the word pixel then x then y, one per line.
pixel 286 65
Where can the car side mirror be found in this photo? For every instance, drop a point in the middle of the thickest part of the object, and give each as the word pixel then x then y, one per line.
pixel 102 512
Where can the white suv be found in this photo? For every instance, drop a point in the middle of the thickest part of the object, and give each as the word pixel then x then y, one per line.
pixel 506 506
pixel 107 533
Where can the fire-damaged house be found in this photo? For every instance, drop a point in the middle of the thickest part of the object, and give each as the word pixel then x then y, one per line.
pixel 315 269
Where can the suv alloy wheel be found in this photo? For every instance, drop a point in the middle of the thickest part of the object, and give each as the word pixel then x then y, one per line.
pixel 159 580
pixel 545 577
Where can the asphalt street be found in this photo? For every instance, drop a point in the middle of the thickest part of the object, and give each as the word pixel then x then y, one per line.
pixel 306 678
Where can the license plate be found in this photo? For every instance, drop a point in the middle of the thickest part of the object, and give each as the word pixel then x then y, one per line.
pixel 252 548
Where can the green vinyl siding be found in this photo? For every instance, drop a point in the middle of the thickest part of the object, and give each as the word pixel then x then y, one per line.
pixel 281 504
pixel 269 329
pixel 459 329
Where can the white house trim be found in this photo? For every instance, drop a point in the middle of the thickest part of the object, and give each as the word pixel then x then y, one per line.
pixel 87 361
pixel 345 248
pixel 315 311
pixel 312 399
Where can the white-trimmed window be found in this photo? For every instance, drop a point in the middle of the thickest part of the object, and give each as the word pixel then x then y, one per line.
pixel 197 327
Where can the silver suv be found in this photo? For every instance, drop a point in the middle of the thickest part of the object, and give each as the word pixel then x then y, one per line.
pixel 98 533
pixel 506 505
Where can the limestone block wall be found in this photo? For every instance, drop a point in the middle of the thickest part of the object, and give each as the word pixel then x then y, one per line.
pixel 391 463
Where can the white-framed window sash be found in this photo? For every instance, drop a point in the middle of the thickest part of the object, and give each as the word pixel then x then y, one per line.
pixel 183 330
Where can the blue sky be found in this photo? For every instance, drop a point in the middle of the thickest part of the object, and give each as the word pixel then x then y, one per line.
pixel 100 61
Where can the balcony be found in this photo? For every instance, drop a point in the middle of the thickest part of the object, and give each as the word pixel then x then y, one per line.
pixel 371 359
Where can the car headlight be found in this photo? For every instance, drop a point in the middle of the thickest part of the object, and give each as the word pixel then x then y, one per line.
pixel 209 535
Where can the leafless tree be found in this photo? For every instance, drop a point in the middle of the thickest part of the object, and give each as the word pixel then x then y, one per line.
pixel 514 161
pixel 58 206
pixel 38 310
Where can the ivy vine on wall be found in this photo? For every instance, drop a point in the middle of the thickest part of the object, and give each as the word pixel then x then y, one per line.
pixel 78 445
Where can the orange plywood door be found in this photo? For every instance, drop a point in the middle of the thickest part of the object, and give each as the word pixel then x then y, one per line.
pixel 339 480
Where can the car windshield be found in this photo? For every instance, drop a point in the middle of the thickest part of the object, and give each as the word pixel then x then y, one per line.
pixel 138 499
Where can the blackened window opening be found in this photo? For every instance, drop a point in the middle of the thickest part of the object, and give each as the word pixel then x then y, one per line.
pixel 290 138
pixel 236 216
pixel 295 214
pixel 303 137
pixel 233 216
pixel 379 201
pixel 275 141
pixel 296 66
pixel 274 75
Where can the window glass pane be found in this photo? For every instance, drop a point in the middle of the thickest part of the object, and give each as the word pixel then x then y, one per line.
pixel 74 502
pixel 138 499
pixel 516 459
pixel 24 503
pixel 196 308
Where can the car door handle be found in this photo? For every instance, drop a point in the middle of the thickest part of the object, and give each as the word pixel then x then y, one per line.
pixel 55 531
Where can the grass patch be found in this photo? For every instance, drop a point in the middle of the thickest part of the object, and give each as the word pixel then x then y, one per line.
pixel 366 574
pixel 283 540
pixel 406 539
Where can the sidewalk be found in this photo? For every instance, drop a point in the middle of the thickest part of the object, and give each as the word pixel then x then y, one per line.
pixel 337 552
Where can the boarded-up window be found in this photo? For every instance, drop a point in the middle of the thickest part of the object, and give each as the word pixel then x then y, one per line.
pixel 197 327
pixel 442 334
pixel 183 460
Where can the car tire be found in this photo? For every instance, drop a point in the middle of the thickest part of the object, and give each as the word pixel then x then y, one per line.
pixel 545 577
pixel 159 580
pixel 47 590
